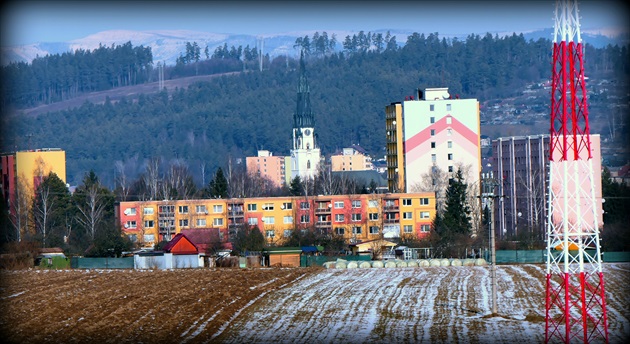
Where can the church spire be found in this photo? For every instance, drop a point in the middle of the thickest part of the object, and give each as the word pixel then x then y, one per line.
pixel 303 116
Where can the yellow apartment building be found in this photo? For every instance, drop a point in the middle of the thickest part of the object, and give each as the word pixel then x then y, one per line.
pixel 356 218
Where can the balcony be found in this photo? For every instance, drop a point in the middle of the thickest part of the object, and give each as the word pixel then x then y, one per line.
pixel 391 221
pixel 322 210
pixel 391 208
pixel 322 224
pixel 235 213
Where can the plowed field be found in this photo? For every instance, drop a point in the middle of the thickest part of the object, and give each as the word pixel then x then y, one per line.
pixel 288 305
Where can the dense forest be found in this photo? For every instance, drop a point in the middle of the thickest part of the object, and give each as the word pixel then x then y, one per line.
pixel 232 116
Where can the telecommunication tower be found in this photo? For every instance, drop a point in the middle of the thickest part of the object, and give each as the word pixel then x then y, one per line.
pixel 575 303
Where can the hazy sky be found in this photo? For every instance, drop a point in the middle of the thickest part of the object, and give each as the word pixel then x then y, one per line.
pixel 25 22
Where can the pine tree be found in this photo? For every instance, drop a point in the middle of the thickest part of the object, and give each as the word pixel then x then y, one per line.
pixel 457 212
pixel 218 185
pixel 296 189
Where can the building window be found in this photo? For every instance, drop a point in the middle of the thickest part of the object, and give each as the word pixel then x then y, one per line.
pixel 372 203
pixel 130 224
pixel 424 214
pixel 373 229
pixel 339 217
pixel 183 223
pixel 450 156
pixel 433 158
pixel 407 215
pixel 425 228
pixel 269 220
pixel 356 230
pixel 201 209
pixel 432 120
pixel 373 216
pixel 270 233
pixel 449 144
pixel 432 144
pixel 288 219
pixel 450 168
pixel 356 217
pixel 217 222
pixel 431 107
pixel 201 222
pixel 132 211
pixel 252 221
pixel 340 230
pixel 217 208
pixel 251 207
pixel 406 201
pixel 166 209
pixel 149 224
pixel 432 132
pixel 424 201
pixel 449 120
pixel 287 233
pixel 287 205
pixel 356 204
pixel 449 132
pixel 183 209
pixel 448 107
pixel 149 238
pixel 267 206
pixel 305 205
pixel 338 205
pixel 305 219
pixel 408 228
pixel 147 211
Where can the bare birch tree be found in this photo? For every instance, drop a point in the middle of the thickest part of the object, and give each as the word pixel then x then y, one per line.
pixel 152 178
pixel 42 212
pixel 435 180
pixel 92 210
pixel 122 182
pixel 21 208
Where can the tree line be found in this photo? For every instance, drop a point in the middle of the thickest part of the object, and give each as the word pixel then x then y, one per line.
pixel 59 77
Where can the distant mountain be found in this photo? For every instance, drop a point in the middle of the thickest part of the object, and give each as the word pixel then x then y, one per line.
pixel 168 45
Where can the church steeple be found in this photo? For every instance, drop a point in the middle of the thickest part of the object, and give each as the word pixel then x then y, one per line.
pixel 303 117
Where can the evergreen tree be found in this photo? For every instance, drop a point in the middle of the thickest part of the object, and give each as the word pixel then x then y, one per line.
pixel 52 210
pixel 248 239
pixel 218 185
pixel 297 187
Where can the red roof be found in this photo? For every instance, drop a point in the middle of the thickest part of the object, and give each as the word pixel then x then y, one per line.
pixel 180 244
pixel 203 238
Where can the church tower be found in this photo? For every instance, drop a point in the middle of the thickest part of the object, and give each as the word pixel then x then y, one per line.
pixel 305 154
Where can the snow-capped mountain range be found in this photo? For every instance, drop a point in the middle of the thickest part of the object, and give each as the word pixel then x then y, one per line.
pixel 167 45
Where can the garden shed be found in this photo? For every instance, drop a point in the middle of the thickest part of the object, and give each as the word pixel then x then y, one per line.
pixel 284 256
pixel 372 247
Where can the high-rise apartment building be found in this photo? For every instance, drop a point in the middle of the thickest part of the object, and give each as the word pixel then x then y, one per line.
pixel 26 169
pixel 269 166
pixel 521 166
pixel 432 130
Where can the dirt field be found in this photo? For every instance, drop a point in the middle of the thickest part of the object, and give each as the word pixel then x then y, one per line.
pixel 287 305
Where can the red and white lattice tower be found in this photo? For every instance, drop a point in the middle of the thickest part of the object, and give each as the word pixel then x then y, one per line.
pixel 575 304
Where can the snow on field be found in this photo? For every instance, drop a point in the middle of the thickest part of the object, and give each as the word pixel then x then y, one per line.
pixel 414 305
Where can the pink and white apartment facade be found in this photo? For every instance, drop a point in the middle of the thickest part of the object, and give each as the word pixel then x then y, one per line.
pixel 521 166
pixel 269 166
pixel 433 129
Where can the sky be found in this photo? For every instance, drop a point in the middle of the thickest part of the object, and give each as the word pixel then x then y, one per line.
pixel 27 22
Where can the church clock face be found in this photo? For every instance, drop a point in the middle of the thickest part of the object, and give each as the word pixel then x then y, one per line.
pixel 307 132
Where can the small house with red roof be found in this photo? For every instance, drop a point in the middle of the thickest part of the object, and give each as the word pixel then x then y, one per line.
pixel 178 253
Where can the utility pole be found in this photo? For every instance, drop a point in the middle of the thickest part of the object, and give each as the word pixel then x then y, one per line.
pixel 488 184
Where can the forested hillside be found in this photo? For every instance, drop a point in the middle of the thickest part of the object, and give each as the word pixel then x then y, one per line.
pixel 234 116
